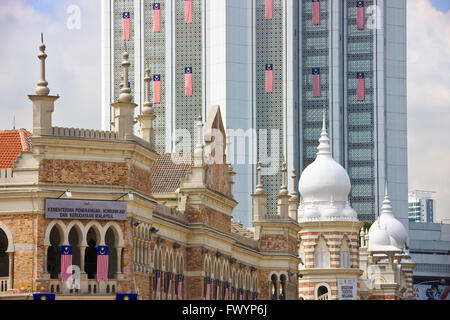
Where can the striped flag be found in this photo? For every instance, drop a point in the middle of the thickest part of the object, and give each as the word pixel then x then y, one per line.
pixel 269 78
pixel 158 284
pixel 208 288
pixel 226 291
pixel 156 88
pixel 66 262
pixel 169 288
pixel 188 11
pixel 316 11
pixel 126 26
pixel 156 17
pixel 102 263
pixel 188 91
pixel 232 293
pixel 217 289
pixel 255 295
pixel 269 9
pixel 241 294
pixel 361 87
pixel 360 15
pixel 316 82
pixel 180 287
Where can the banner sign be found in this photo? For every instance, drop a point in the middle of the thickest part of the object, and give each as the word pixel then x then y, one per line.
pixel 347 289
pixel 431 292
pixel 85 209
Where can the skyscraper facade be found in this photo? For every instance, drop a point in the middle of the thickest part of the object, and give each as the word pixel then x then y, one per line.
pixel 274 67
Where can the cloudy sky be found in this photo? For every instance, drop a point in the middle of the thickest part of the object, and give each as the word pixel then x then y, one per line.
pixel 73 72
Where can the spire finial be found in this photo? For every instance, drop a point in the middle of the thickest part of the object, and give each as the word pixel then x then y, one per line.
pixel 148 106
pixel 125 92
pixel 294 181
pixel 387 207
pixel 283 189
pixel 324 141
pixel 227 152
pixel 42 89
pixel 199 132
pixel 259 186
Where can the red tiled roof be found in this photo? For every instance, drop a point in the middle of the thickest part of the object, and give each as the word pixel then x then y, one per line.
pixel 167 174
pixel 12 142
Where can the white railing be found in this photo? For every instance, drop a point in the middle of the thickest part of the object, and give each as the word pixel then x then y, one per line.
pixel 323 297
pixel 89 286
pixel 83 133
pixel 4 284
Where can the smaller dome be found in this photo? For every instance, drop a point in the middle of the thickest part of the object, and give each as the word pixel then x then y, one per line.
pixel 378 236
pixel 349 211
pixel 331 211
pixel 312 211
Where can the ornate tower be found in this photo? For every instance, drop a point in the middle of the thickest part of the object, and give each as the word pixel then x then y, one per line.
pixel 329 230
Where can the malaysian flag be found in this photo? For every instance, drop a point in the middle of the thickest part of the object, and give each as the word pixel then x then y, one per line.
pixel 158 284
pixel 156 88
pixel 126 26
pixel 66 262
pixel 316 82
pixel 156 17
pixel 241 294
pixel 226 291
pixel 360 15
pixel 269 78
pixel 316 11
pixel 126 296
pixel 255 295
pixel 180 286
pixel 169 287
pixel 188 11
pixel 232 293
pixel 208 288
pixel 102 263
pixel 269 9
pixel 217 289
pixel 361 87
pixel 43 296
pixel 188 91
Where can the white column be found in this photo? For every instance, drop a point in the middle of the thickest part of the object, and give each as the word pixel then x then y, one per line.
pixel 11 270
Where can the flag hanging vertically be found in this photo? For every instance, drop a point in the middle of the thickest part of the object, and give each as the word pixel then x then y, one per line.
pixel 158 284
pixel 208 288
pixel 316 82
pixel 361 87
pixel 180 287
pixel 225 297
pixel 156 88
pixel 269 78
pixel 316 11
pixel 188 11
pixel 102 263
pixel 43 296
pixel 360 15
pixel 232 293
pixel 126 26
pixel 169 287
pixel 269 9
pixel 156 17
pixel 255 295
pixel 217 289
pixel 66 262
pixel 126 296
pixel 188 91
pixel 241 294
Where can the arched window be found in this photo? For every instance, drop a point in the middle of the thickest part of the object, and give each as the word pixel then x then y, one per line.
pixel 345 253
pixel 4 257
pixel 111 242
pixel 273 287
pixel 321 254
pixel 90 260
pixel 54 253
pixel 322 293
pixel 282 287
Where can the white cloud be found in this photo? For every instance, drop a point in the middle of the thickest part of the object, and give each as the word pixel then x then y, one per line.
pixel 429 102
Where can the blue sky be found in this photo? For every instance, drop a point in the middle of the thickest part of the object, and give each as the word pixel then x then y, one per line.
pixel 442 5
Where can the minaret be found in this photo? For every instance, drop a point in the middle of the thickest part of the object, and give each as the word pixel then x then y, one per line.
pixel 259 198
pixel 43 104
pixel 124 108
pixel 283 197
pixel 293 200
pixel 148 116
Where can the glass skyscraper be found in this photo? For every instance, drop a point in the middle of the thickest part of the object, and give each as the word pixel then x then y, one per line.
pixel 228 45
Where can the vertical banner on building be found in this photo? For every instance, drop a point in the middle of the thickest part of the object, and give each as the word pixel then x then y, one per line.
pixel 156 88
pixel 232 293
pixel 188 11
pixel 360 15
pixel 361 86
pixel 169 287
pixel 269 9
pixel 158 284
pixel 180 287
pixel 269 78
pixel 188 90
pixel 316 11
pixel 255 295
pixel 126 25
pixel 347 289
pixel 156 17
pixel 241 294
pixel 217 289
pixel 102 263
pixel 316 82
pixel 225 296
pixel 208 288
pixel 66 262
pixel 126 296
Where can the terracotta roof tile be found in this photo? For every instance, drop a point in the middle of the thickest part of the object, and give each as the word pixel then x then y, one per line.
pixel 167 174
pixel 241 230
pixel 12 142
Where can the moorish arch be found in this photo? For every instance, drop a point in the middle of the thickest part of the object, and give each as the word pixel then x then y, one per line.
pixel 6 257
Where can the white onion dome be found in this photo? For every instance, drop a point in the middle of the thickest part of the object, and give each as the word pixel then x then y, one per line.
pixel 378 236
pixel 312 211
pixel 324 178
pixel 348 211
pixel 331 211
